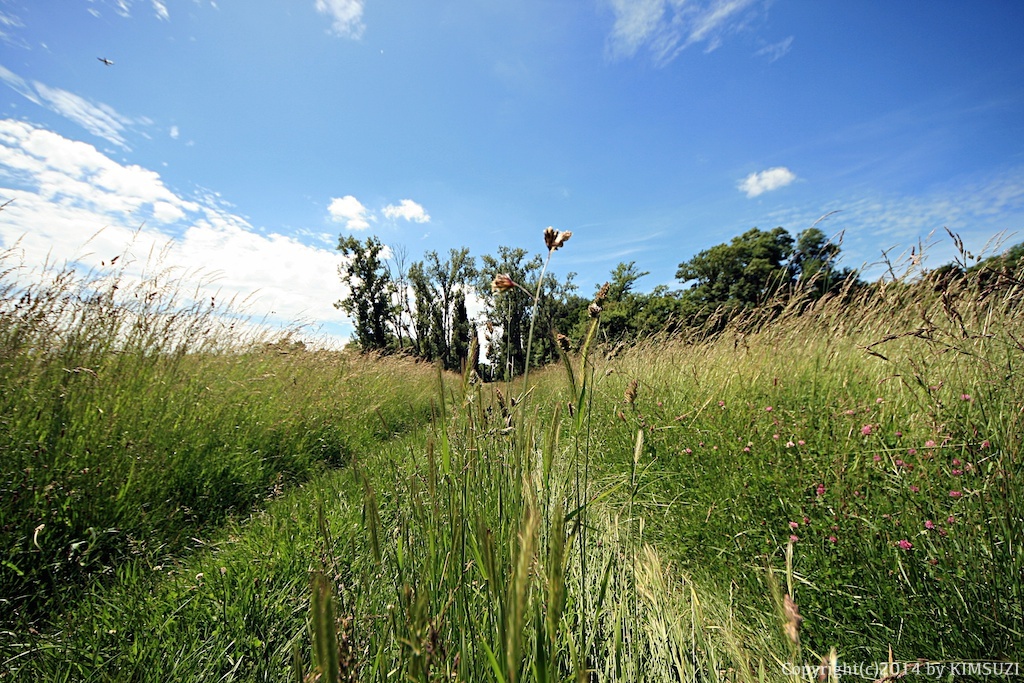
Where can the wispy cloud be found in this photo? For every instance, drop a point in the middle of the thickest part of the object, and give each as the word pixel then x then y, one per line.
pixel 346 17
pixel 351 212
pixel 74 204
pixel 667 27
pixel 776 51
pixel 977 209
pixel 8 27
pixel 757 184
pixel 407 209
pixel 99 119
pixel 161 11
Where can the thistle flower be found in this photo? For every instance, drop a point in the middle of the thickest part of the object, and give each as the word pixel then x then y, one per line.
pixel 502 282
pixel 554 239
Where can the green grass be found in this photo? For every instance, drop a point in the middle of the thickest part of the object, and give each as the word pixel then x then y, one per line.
pixel 133 420
pixel 277 512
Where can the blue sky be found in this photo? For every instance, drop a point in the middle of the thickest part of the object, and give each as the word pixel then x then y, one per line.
pixel 243 137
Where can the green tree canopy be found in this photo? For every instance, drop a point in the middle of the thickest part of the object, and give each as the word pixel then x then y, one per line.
pixel 370 301
pixel 741 273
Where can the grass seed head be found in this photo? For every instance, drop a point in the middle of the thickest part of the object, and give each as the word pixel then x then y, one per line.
pixel 502 282
pixel 793 619
pixel 554 239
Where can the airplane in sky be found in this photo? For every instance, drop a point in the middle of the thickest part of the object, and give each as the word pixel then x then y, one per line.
pixel 106 61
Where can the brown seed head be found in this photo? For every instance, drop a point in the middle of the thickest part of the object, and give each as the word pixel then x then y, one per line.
pixel 631 390
pixel 593 310
pixel 554 239
pixel 793 619
pixel 549 237
pixel 602 293
pixel 502 282
pixel 563 342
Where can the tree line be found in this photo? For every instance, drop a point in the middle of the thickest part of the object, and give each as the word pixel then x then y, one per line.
pixel 419 308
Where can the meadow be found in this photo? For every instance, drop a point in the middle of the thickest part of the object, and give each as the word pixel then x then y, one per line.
pixel 824 482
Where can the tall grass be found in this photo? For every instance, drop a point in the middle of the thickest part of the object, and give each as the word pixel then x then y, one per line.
pixel 882 433
pixel 134 416
pixel 714 508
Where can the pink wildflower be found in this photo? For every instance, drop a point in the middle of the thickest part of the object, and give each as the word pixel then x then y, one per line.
pixel 793 538
pixel 794 525
pixel 879 400
pixel 876 457
pixel 929 524
pixel 957 473
pixel 955 494
pixel 832 539
pixel 986 443
pixel 951 520
pixel 914 489
pixel 820 490
pixel 911 451
pixel 965 397
pixel 866 430
pixel 956 462
pixel 899 434
pixel 687 451
pixel 775 436
pixel 800 442
pixel 930 444
pixel 790 444
pixel 767 409
pixel 904 544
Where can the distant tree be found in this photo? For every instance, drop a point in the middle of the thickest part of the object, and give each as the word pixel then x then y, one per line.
pixel 402 312
pixel 461 334
pixel 814 263
pixel 421 311
pixel 508 313
pixel 739 274
pixel 624 277
pixel 370 301
pixel 449 280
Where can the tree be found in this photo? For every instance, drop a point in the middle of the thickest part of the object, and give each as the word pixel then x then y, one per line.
pixel 739 274
pixel 460 339
pixel 438 290
pixel 814 263
pixel 370 301
pixel 448 280
pixel 508 313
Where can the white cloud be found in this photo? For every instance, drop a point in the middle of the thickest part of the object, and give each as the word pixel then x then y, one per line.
pixel 776 51
pixel 8 24
pixel 99 119
pixel 346 15
pixel 350 211
pixel 74 204
pixel 174 132
pixel 667 27
pixel 407 209
pixel 771 179
pixel 161 10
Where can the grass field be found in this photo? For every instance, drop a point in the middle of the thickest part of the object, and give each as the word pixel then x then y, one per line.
pixel 182 500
